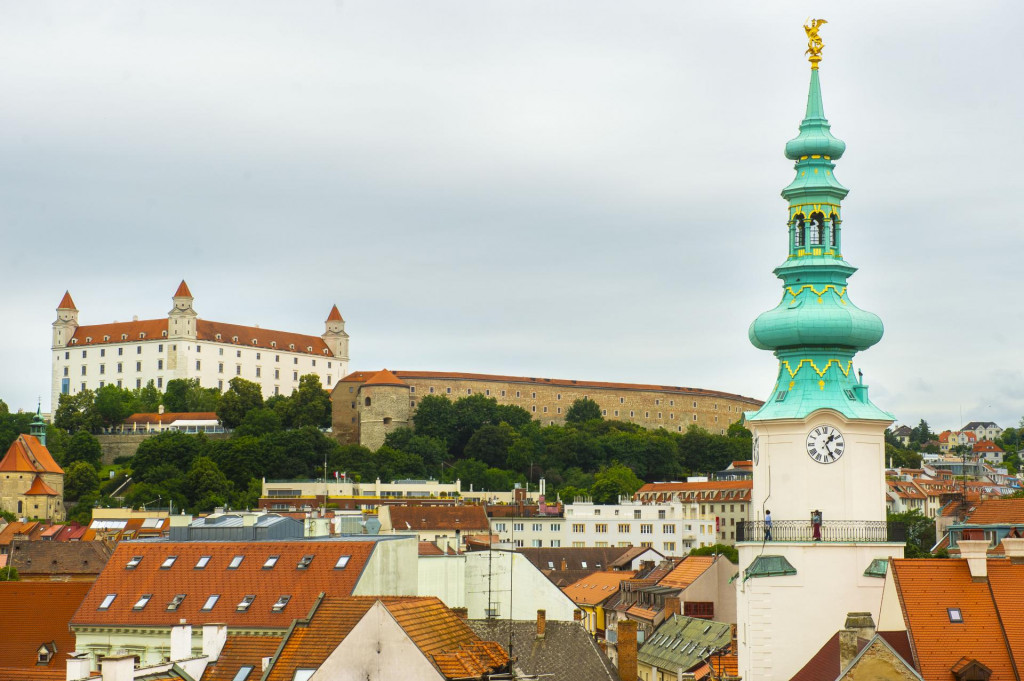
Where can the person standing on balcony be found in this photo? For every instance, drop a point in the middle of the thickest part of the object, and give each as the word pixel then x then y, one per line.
pixel 767 525
pixel 816 525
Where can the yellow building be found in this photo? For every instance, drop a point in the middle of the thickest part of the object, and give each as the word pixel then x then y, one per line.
pixel 31 482
pixel 591 593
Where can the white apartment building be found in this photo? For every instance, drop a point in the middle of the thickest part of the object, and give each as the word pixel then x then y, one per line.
pixel 181 345
pixel 672 527
pixel 534 531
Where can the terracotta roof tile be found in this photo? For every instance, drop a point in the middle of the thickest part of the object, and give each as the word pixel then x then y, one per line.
pixel 27 530
pixel 242 651
pixel 687 571
pixel 232 585
pixel 42 611
pixel 597 587
pixel 996 511
pixel 1005 580
pixel 182 290
pixel 927 588
pixel 28 455
pixel 429 548
pixel 419 518
pixel 384 377
pixel 986 446
pixel 171 417
pixel 60 558
pixel 40 488
pixel 713 485
pixel 824 664
pixel 66 303
pixel 335 315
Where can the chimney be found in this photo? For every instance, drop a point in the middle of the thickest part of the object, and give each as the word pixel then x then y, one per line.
pixel 975 552
pixel 461 613
pixel 1014 550
pixel 181 642
pixel 627 650
pixel 858 625
pixel 214 638
pixel 577 615
pixel 249 519
pixel 542 623
pixel 119 668
pixel 673 606
pixel 266 662
pixel 79 667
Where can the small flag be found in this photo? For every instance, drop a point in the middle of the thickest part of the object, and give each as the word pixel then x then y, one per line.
pixel 335 475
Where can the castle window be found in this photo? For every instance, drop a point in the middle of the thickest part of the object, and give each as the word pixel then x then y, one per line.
pixel 295 360
pixel 67 355
pixel 124 336
pixel 220 367
pixel 622 400
pixel 694 417
pixel 533 395
pixel 142 335
pixel 487 392
pixel 217 336
pixel 159 382
pixel 257 372
pixel 106 338
pixel 291 346
pixel 387 420
pixel 66 371
pixel 309 348
pixel 277 358
pixel 234 339
pixel 295 375
pixel 198 365
pixel 469 391
pixel 558 396
pixel 534 408
pixel 273 344
pixel 159 365
pixel 254 341
pixel 160 347
pixel 138 349
pixel 449 390
pixel 431 391
pixel 85 353
pixel 238 353
pixel 366 402
pixel 103 368
pixel 83 370
pixel 164 334
pixel 74 341
pixel 517 393
pixel 502 393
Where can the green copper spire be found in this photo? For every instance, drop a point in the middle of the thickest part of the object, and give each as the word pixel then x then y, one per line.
pixel 816 329
pixel 37 428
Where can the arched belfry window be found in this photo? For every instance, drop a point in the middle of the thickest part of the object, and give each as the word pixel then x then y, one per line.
pixel 817 229
pixel 367 402
pixel 798 230
pixel 833 237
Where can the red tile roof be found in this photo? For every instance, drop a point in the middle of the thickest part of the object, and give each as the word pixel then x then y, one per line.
pixel 28 455
pixel 335 315
pixel 182 290
pixel 597 587
pixel 996 511
pixel 27 530
pixel 927 588
pixel 239 651
pixel 688 570
pixel 56 558
pixel 986 446
pixel 232 585
pixel 40 488
pixel 171 417
pixel 66 303
pixel 35 613
pixel 419 518
pixel 429 548
pixel 384 377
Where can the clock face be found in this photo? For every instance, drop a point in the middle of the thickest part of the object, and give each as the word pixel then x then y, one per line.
pixel 825 444
pixel 755 450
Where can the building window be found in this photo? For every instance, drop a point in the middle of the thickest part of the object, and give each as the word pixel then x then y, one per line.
pixel 624 528
pixel 159 381
pixel 668 528
pixel 537 527
pixel 83 370
pixel 210 602
pixel 257 372
pixel 198 365
pixel 138 349
pixel 517 527
pixel 670 546
pixel 601 528
pixel 578 528
pixel 159 365
pixel 646 528
pixel 448 391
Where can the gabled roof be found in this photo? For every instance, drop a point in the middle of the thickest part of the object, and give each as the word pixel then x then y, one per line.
pixel 28 455
pixel 927 588
pixel 335 315
pixel 60 558
pixel 988 446
pixel 713 485
pixel 23 530
pixel 429 548
pixel 444 638
pixel 974 425
pixel 420 518
pixel 239 651
pixel 384 377
pixel 567 652
pixel 66 303
pixel 42 611
pixel 688 570
pixel 171 417
pixel 40 489
pixel 597 587
pixel 683 642
pixel 995 512
pixel 185 576
pixel 182 291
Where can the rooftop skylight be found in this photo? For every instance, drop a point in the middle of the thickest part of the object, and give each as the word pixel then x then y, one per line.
pixel 271 562
pixel 134 562
pixel 235 562
pixel 107 601
pixel 210 602
pixel 246 602
pixel 202 562
pixel 243 673
pixel 141 603
pixel 304 562
pixel 168 562
pixel 175 602
pixel 281 602
pixel 342 562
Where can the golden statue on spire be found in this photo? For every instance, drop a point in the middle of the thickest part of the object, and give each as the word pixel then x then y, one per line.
pixel 814 41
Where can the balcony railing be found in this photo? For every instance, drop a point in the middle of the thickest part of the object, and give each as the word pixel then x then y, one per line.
pixel 830 531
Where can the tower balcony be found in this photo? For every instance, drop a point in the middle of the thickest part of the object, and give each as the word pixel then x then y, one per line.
pixel 831 531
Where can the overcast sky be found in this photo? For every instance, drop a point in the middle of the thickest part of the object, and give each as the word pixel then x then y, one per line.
pixel 582 190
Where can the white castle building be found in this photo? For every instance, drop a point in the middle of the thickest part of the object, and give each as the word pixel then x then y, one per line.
pixel 181 345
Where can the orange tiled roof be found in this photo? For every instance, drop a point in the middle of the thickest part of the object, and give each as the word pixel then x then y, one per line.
pixel 242 651
pixel 429 548
pixel 568 383
pixel 232 585
pixel 335 315
pixel 927 588
pixel 40 488
pixel 596 587
pixel 642 613
pixel 988 446
pixel 1005 580
pixel 684 574
pixel 155 329
pixel 696 486
pixel 41 611
pixel 384 377
pixel 438 518
pixel 29 530
pixel 182 290
pixel 996 511
pixel 28 455
pixel 171 417
pixel 434 629
pixel 66 303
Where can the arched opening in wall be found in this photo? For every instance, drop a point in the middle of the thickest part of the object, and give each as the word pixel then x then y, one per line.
pixel 798 230
pixel 19 507
pixel 387 420
pixel 817 229
pixel 833 236
pixel 366 402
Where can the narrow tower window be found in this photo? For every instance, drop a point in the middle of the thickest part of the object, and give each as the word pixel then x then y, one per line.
pixel 798 230
pixel 833 221
pixel 817 228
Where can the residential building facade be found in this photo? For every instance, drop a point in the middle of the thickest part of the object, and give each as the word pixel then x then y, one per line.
pixel 726 502
pixel 671 527
pixel 181 345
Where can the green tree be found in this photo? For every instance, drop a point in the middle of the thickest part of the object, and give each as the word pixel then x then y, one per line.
pixel 76 412
pixel 490 444
pixel 8 516
pixel 730 552
pixel 11 426
pixel 169 448
pixel 583 410
pixel 208 487
pixel 83 447
pixel 147 399
pixel 112 405
pixel 737 429
pixel 176 395
pixel 435 417
pixel 239 399
pixel 920 533
pixel 431 450
pixel 309 404
pixel 80 478
pixel 9 573
pixel 259 422
pixel 902 458
pixel 613 482
pixel 922 433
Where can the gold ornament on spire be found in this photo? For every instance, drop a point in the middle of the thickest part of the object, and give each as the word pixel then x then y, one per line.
pixel 814 41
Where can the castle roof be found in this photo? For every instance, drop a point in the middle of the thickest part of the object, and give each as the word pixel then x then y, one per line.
pixel 182 291
pixel 335 315
pixel 171 417
pixel 28 455
pixel 66 303
pixel 384 377
pixel 40 488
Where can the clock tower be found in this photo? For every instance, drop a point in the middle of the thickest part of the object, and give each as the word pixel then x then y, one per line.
pixel 815 544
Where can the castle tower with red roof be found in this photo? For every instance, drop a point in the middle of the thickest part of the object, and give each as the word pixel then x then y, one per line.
pixel 31 482
pixel 335 336
pixel 181 320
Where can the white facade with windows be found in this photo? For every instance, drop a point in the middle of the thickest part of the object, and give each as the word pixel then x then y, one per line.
pixel 130 354
pixel 673 528
pixel 533 532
